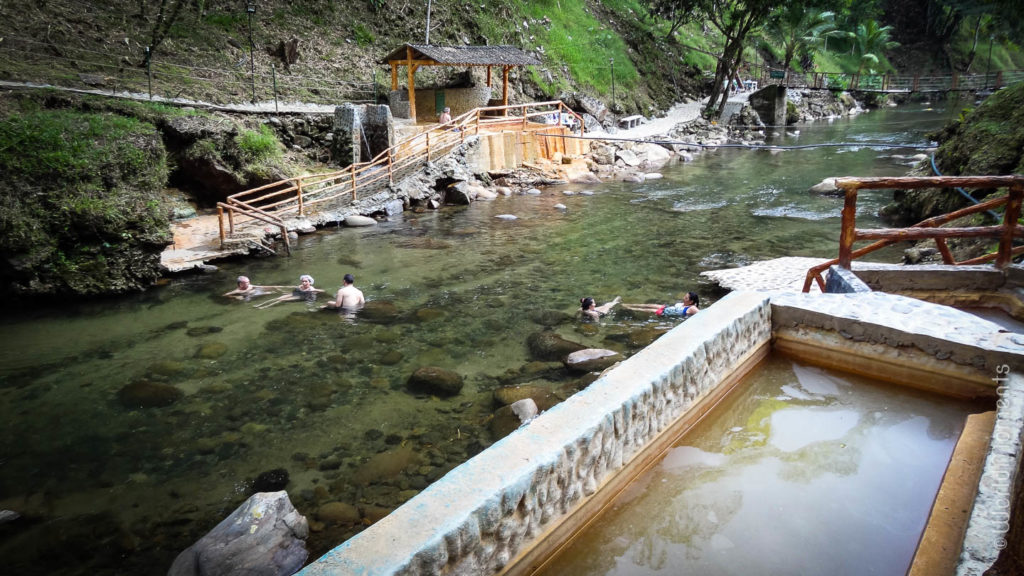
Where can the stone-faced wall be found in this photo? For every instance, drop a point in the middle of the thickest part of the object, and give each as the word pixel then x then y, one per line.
pixel 361 132
pixel 458 99
pixel 482 514
pixel 770 104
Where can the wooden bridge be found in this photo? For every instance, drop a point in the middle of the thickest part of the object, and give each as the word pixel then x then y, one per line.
pixel 245 220
pixel 888 83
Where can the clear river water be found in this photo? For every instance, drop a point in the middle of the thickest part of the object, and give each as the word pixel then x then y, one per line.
pixel 106 487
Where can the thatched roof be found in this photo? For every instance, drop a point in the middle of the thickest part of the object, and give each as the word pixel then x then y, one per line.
pixel 465 55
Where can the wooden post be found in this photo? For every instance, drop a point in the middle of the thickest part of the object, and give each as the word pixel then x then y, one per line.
pixel 488 76
pixel 394 75
pixel 956 81
pixel 849 227
pixel 391 174
pixel 477 128
pixel 220 223
pixel 1010 217
pixel 353 168
pixel 231 220
pixel 999 80
pixel 412 84
pixel 947 256
pixel 298 192
pixel 504 88
pixel 917 83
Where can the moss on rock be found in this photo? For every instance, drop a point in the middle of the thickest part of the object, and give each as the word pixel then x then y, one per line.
pixel 81 211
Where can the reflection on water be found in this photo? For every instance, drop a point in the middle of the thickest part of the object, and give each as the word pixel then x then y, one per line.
pixel 800 471
pixel 105 486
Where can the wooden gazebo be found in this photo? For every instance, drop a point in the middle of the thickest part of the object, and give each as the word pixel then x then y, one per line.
pixel 412 56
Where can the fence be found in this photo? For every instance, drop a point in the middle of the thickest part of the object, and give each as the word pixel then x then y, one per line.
pixel 887 82
pixel 271 203
pixel 244 82
pixel 1007 232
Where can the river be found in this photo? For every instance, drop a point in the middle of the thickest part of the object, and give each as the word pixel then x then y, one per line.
pixel 105 487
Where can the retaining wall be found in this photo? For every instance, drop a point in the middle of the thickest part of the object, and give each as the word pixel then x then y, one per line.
pixel 503 510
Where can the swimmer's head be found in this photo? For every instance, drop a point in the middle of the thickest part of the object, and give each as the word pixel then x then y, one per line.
pixel 350 279
pixel 586 302
pixel 243 281
pixel 693 298
pixel 306 278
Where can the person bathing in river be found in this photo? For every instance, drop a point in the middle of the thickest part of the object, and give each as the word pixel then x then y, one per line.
pixel 589 310
pixel 348 297
pixel 688 307
pixel 247 290
pixel 304 291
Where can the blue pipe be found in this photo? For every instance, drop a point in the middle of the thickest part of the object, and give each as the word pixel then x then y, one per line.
pixel 963 192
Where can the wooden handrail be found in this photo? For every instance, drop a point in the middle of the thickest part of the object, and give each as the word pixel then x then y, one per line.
pixel 302 192
pixel 1006 232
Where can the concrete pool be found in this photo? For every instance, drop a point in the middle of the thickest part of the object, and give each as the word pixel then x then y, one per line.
pixel 512 506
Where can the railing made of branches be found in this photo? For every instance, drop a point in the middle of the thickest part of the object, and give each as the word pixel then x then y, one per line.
pixel 1006 232
pixel 271 203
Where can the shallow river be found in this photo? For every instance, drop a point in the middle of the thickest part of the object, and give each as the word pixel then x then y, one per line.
pixel 105 487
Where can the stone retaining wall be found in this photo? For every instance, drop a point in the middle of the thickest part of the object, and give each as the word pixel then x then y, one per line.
pixel 484 513
pixel 487 514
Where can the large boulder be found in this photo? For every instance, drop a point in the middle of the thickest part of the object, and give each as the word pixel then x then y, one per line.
pixel 548 345
pixel 265 536
pixel 591 360
pixel 436 381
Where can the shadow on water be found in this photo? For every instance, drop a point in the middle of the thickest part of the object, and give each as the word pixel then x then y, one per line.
pixel 131 427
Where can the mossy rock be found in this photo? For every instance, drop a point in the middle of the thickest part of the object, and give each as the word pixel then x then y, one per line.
pixel 145 394
pixel 548 345
pixel 436 381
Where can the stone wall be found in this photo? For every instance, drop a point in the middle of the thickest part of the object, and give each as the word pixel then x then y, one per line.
pixel 489 513
pixel 458 99
pixel 484 513
pixel 361 132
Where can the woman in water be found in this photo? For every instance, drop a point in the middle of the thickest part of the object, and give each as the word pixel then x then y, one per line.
pixel 688 307
pixel 304 291
pixel 589 309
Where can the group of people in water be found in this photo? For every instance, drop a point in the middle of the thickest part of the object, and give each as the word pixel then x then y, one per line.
pixel 589 309
pixel 351 298
pixel 348 296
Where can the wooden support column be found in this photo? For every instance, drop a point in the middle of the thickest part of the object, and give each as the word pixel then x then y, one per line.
pixel 489 76
pixel 504 86
pixel 1010 217
pixel 849 227
pixel 412 84
pixel 394 75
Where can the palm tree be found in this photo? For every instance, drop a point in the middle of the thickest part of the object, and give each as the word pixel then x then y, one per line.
pixel 796 29
pixel 869 42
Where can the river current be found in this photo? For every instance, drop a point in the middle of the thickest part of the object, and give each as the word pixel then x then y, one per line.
pixel 106 487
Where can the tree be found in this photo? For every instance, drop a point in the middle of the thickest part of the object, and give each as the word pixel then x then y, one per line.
pixel 796 28
pixel 871 41
pixel 167 13
pixel 736 20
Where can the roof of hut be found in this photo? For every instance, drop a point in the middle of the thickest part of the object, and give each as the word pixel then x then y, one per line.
pixel 465 55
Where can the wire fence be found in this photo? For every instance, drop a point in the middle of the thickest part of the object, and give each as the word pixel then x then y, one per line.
pixel 245 82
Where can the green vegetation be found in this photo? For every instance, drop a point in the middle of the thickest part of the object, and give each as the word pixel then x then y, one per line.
pixel 258 147
pixel 80 212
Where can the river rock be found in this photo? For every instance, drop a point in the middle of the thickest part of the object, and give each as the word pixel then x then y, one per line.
pixel 437 381
pixel 338 513
pixel 543 398
pixel 146 394
pixel 166 368
pixel 591 360
pixel 271 481
pixel 356 221
pixel 525 409
pixel 826 187
pixel 549 317
pixel 379 310
pixel 628 158
pixel 212 350
pixel 507 217
pixel 655 156
pixel 265 536
pixel 633 177
pixel 548 345
pixel 386 465
pixel 586 178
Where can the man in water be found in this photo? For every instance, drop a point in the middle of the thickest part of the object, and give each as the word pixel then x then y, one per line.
pixel 349 297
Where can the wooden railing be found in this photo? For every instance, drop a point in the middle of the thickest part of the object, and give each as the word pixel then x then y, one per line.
pixel 889 82
pixel 1005 232
pixel 298 196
